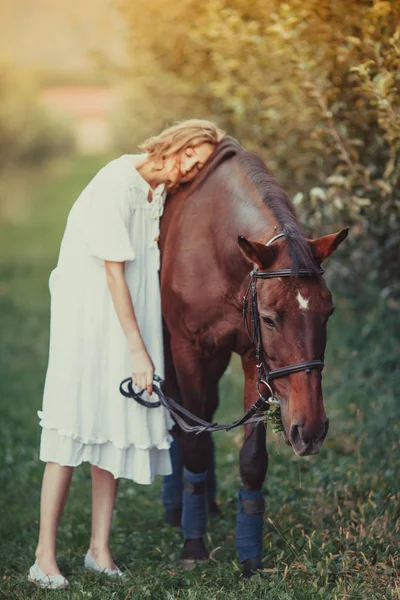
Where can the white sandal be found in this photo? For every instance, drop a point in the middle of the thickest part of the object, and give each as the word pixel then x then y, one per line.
pixel 52 582
pixel 91 564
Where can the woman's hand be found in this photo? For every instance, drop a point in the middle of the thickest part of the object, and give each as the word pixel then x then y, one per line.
pixel 142 370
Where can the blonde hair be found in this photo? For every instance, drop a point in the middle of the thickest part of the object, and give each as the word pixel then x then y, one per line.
pixel 178 137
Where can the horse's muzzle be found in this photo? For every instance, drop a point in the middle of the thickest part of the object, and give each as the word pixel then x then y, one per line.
pixel 304 441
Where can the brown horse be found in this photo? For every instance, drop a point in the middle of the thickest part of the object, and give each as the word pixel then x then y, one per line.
pixel 213 233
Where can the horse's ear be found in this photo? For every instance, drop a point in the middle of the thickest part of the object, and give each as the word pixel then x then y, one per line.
pixel 324 246
pixel 257 253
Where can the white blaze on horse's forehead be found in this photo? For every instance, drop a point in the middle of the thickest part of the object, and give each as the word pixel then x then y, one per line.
pixel 303 302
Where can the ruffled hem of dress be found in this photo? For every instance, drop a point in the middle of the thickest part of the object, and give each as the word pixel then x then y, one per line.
pixel 132 463
pixel 164 444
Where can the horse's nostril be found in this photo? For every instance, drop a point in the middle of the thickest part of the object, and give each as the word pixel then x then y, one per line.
pixel 295 433
pixel 301 435
pixel 306 440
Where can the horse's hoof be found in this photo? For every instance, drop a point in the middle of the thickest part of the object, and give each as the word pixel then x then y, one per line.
pixel 214 511
pixel 251 566
pixel 173 517
pixel 190 563
pixel 194 553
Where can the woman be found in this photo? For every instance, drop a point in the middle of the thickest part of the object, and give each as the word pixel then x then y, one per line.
pixel 105 324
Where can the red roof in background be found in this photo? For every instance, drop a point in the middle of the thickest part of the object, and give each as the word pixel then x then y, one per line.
pixel 79 101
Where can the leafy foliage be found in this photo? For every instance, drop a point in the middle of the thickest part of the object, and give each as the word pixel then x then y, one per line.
pixel 313 87
pixel 28 134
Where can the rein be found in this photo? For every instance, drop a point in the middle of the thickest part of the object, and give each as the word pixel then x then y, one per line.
pixel 179 413
pixel 265 375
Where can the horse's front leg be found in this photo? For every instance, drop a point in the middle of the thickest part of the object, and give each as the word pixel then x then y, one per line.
pixel 198 378
pixel 253 469
pixel 197 453
pixel 250 515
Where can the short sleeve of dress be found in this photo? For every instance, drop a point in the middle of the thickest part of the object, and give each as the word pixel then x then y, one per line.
pixel 106 217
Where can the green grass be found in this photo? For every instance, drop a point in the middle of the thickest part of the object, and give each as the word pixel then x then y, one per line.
pixel 332 520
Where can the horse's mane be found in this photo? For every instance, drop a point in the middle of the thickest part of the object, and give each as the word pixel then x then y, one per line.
pixel 271 192
pixel 277 200
pixel 227 148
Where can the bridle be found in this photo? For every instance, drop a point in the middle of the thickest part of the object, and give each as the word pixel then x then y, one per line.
pixel 265 375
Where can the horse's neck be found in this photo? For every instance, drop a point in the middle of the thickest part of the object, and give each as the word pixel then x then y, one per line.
pixel 240 214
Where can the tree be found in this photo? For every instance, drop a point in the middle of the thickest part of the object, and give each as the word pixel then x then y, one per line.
pixel 313 87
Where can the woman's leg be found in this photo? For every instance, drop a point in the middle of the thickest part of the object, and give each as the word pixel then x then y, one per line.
pixel 104 490
pixel 55 486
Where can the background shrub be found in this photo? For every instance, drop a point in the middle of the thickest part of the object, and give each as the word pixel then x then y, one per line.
pixel 313 87
pixel 28 133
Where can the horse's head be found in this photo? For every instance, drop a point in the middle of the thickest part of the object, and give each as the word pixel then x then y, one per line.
pixel 293 314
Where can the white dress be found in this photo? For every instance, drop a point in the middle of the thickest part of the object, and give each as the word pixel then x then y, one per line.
pixel 84 416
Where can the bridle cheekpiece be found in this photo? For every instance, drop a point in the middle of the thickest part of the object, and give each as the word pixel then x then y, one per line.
pixel 265 375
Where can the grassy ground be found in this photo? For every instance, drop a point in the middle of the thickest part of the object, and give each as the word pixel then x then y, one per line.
pixel 332 520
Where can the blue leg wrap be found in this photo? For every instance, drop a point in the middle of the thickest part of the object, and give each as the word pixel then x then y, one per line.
pixel 249 524
pixel 172 485
pixel 194 516
pixel 211 478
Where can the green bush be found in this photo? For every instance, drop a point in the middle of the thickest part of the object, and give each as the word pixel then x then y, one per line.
pixel 313 87
pixel 28 133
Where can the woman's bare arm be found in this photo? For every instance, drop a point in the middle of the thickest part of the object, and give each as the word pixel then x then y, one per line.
pixel 142 366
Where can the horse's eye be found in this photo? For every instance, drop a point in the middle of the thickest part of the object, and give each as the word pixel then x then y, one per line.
pixel 269 322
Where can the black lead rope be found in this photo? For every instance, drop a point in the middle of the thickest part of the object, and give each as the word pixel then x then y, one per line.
pixel 179 413
pixel 138 395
